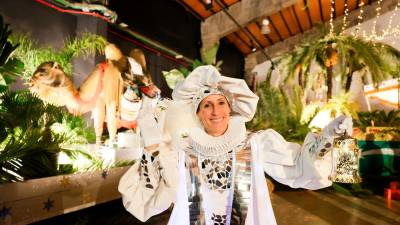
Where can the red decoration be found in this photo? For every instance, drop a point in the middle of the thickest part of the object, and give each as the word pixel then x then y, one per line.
pixel 393 192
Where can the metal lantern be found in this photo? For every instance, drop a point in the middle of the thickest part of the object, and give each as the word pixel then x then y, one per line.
pixel 345 157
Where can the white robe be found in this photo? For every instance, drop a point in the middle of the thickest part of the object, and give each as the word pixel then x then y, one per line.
pixel 287 163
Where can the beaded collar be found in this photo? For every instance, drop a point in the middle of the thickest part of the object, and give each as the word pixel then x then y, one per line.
pixel 208 146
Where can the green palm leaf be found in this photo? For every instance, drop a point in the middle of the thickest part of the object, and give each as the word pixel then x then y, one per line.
pixel 354 54
pixel 32 55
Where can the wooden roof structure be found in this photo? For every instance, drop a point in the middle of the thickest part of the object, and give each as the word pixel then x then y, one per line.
pixel 286 22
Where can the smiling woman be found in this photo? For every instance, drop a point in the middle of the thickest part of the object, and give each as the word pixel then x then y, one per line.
pixel 214 112
pixel 214 173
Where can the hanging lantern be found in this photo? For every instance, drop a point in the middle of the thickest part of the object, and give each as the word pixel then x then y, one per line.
pixel 345 157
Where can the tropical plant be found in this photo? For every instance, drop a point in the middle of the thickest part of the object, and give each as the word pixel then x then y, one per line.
pixel 348 53
pixel 79 161
pixel 341 105
pixel 280 111
pixel 28 148
pixel 10 67
pixel 74 129
pixel 32 55
pixel 32 134
pixel 378 118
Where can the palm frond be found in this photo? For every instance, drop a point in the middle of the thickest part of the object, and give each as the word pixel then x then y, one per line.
pixel 280 111
pixel 32 54
pixel 353 54
pixel 30 139
pixel 10 67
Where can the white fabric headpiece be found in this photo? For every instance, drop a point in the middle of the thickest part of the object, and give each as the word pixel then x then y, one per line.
pixel 206 80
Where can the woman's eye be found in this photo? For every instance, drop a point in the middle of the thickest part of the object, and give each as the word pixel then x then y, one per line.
pixel 206 105
pixel 221 103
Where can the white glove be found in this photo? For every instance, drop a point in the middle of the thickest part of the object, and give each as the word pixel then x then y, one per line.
pixel 149 128
pixel 338 127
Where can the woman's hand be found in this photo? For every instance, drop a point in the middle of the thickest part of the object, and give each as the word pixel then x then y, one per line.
pixel 149 128
pixel 339 126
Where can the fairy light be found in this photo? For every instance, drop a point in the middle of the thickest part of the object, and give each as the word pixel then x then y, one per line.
pixel 373 35
pixel 378 14
pixel 360 19
pixel 346 14
pixel 331 19
pixel 390 29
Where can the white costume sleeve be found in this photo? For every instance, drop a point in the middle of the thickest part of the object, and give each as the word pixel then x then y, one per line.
pixel 149 186
pixel 294 165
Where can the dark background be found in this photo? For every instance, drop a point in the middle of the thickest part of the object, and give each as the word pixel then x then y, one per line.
pixel 163 21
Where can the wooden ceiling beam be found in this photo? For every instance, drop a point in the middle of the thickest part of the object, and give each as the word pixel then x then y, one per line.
pixel 285 22
pixel 265 35
pixel 339 8
pixel 304 17
pixel 308 14
pixel 239 44
pixel 190 9
pixel 224 3
pixel 296 18
pixel 321 13
pixel 312 10
pixel 244 12
pixel 255 38
pixel 274 27
pixel 198 7
pixel 242 40
pixel 207 7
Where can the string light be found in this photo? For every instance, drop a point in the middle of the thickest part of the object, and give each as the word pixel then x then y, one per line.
pixel 373 35
pixel 346 14
pixel 391 18
pixel 331 19
pixel 360 19
pixel 378 14
pixel 389 29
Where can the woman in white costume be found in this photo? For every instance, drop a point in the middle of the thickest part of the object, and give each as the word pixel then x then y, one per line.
pixel 213 172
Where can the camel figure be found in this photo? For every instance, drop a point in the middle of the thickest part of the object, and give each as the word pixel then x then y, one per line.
pixel 100 92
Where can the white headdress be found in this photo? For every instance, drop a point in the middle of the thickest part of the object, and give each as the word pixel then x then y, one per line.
pixel 206 80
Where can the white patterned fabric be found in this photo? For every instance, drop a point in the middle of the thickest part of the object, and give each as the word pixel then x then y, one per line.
pixel 286 162
pixel 201 175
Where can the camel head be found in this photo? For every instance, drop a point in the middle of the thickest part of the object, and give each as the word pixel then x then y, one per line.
pixel 49 83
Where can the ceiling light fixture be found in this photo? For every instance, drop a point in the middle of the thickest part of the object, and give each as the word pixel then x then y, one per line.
pixel 265 22
pixel 246 32
pixel 208 4
pixel 265 27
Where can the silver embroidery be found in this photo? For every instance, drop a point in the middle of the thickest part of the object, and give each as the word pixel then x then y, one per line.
pixel 216 174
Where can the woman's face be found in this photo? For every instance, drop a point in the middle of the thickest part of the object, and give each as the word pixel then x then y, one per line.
pixel 214 112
